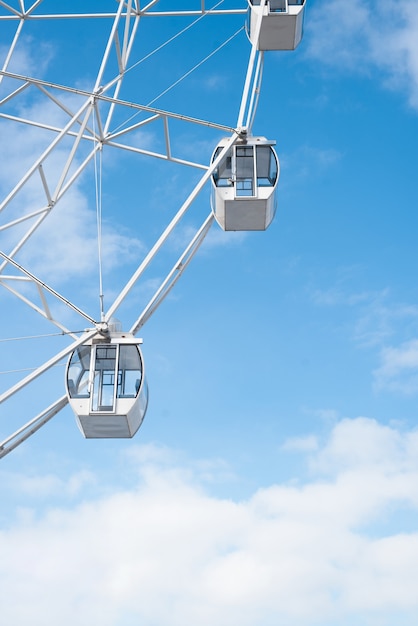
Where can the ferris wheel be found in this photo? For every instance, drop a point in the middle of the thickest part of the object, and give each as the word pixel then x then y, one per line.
pixel 65 127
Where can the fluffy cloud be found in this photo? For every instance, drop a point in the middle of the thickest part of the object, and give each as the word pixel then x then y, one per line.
pixel 165 550
pixel 398 370
pixel 378 316
pixel 32 58
pixel 363 36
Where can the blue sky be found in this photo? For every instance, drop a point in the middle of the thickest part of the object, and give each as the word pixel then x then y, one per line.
pixel 274 479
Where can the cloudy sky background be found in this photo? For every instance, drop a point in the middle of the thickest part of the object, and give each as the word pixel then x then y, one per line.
pixel 275 478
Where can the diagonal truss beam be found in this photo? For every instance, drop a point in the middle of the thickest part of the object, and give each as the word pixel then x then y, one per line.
pixel 163 238
pixel 29 429
pixel 44 287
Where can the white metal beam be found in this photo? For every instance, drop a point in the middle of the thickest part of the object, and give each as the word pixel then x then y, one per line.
pixel 23 433
pixel 173 276
pixel 46 366
pixel 176 219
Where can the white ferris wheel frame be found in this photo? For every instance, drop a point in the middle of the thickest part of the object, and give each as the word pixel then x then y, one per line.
pixel 79 129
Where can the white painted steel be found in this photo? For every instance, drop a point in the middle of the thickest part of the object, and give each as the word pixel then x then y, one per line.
pixel 29 429
pixel 46 366
pixel 281 24
pixel 245 203
pixel 181 212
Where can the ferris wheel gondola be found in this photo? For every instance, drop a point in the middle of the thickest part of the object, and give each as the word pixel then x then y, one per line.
pixel 281 23
pixel 106 386
pixel 244 184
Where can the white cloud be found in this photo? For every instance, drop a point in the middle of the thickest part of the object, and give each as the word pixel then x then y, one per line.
pixel 219 238
pixel 329 416
pixel 69 243
pixel 365 36
pixel 300 444
pixel 30 59
pixel 360 443
pixel 49 485
pixel 166 551
pixel 377 317
pixel 398 370
pixel 380 319
pixel 310 161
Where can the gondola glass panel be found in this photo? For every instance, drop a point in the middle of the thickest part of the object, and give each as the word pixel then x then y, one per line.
pixel 78 373
pixel 129 372
pixel 244 170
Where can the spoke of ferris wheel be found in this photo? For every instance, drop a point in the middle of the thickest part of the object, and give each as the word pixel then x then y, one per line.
pixel 12 47
pixel 123 57
pixel 44 286
pixel 18 437
pixel 73 151
pixel 173 276
pixel 19 16
pixel 192 13
pixel 43 156
pixel 109 141
pixel 101 97
pixel 9 8
pixel 150 5
pixel 61 189
pixel 251 79
pixel 31 8
pixel 43 214
pixel 48 364
pixel 252 107
pixel 45 313
pixel 176 219
pixel 92 100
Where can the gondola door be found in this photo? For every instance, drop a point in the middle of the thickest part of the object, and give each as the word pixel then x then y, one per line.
pixel 104 378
